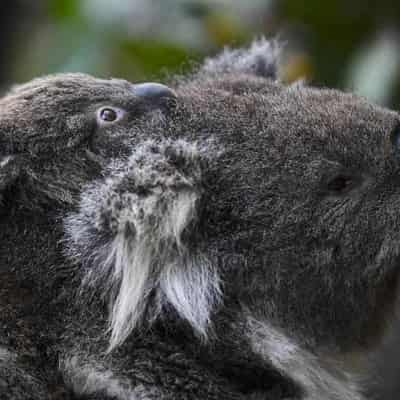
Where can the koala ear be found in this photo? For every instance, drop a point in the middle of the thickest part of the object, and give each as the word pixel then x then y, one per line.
pixel 9 171
pixel 260 59
pixel 133 233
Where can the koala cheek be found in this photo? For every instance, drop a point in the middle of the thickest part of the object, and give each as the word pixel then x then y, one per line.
pixel 77 123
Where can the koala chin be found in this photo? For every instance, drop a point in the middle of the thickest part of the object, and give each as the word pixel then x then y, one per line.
pixel 224 237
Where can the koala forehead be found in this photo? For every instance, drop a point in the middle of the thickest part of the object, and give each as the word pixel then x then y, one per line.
pixel 68 87
pixel 335 126
pixel 284 124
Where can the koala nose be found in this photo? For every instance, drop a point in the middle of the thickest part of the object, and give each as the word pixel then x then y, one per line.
pixel 153 92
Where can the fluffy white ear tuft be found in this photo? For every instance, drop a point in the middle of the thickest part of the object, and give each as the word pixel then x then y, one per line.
pixel 156 263
pixel 130 231
pixel 260 59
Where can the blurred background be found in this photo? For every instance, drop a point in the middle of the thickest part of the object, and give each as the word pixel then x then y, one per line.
pixel 353 45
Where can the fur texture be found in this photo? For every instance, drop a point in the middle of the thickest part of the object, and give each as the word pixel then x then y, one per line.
pixel 261 59
pixel 227 238
pixel 320 378
pixel 129 233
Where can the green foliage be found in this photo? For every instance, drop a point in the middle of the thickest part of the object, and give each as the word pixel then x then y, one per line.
pixel 64 10
pixel 336 43
pixel 149 58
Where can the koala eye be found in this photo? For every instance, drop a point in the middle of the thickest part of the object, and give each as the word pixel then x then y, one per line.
pixel 109 114
pixel 341 184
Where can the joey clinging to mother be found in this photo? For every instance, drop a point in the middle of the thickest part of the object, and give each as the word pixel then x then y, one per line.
pixel 255 213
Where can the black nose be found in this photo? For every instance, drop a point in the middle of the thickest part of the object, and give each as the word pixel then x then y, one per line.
pixel 153 92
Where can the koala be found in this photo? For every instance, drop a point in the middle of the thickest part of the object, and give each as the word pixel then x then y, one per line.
pixel 223 237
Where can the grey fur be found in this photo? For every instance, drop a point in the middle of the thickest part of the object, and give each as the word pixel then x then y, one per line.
pixel 237 240
pixel 89 379
pixel 16 382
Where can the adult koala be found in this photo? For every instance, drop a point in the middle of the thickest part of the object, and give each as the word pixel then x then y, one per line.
pixel 227 238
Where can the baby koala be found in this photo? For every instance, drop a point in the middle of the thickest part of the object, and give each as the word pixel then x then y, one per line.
pixel 227 237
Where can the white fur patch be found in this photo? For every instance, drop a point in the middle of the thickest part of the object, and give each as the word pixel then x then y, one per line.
pixel 90 379
pixel 320 380
pixel 157 260
pixel 129 234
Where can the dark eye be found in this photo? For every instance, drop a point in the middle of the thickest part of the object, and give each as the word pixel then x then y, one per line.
pixel 109 114
pixel 341 184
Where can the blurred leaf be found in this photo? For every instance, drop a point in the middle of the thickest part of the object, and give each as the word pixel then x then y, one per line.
pixel 224 30
pixel 149 58
pixel 64 9
pixel 335 29
pixel 298 66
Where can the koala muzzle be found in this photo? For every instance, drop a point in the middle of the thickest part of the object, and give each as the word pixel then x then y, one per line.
pixel 154 93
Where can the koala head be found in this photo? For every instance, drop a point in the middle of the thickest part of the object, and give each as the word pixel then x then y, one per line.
pixel 64 115
pixel 230 199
